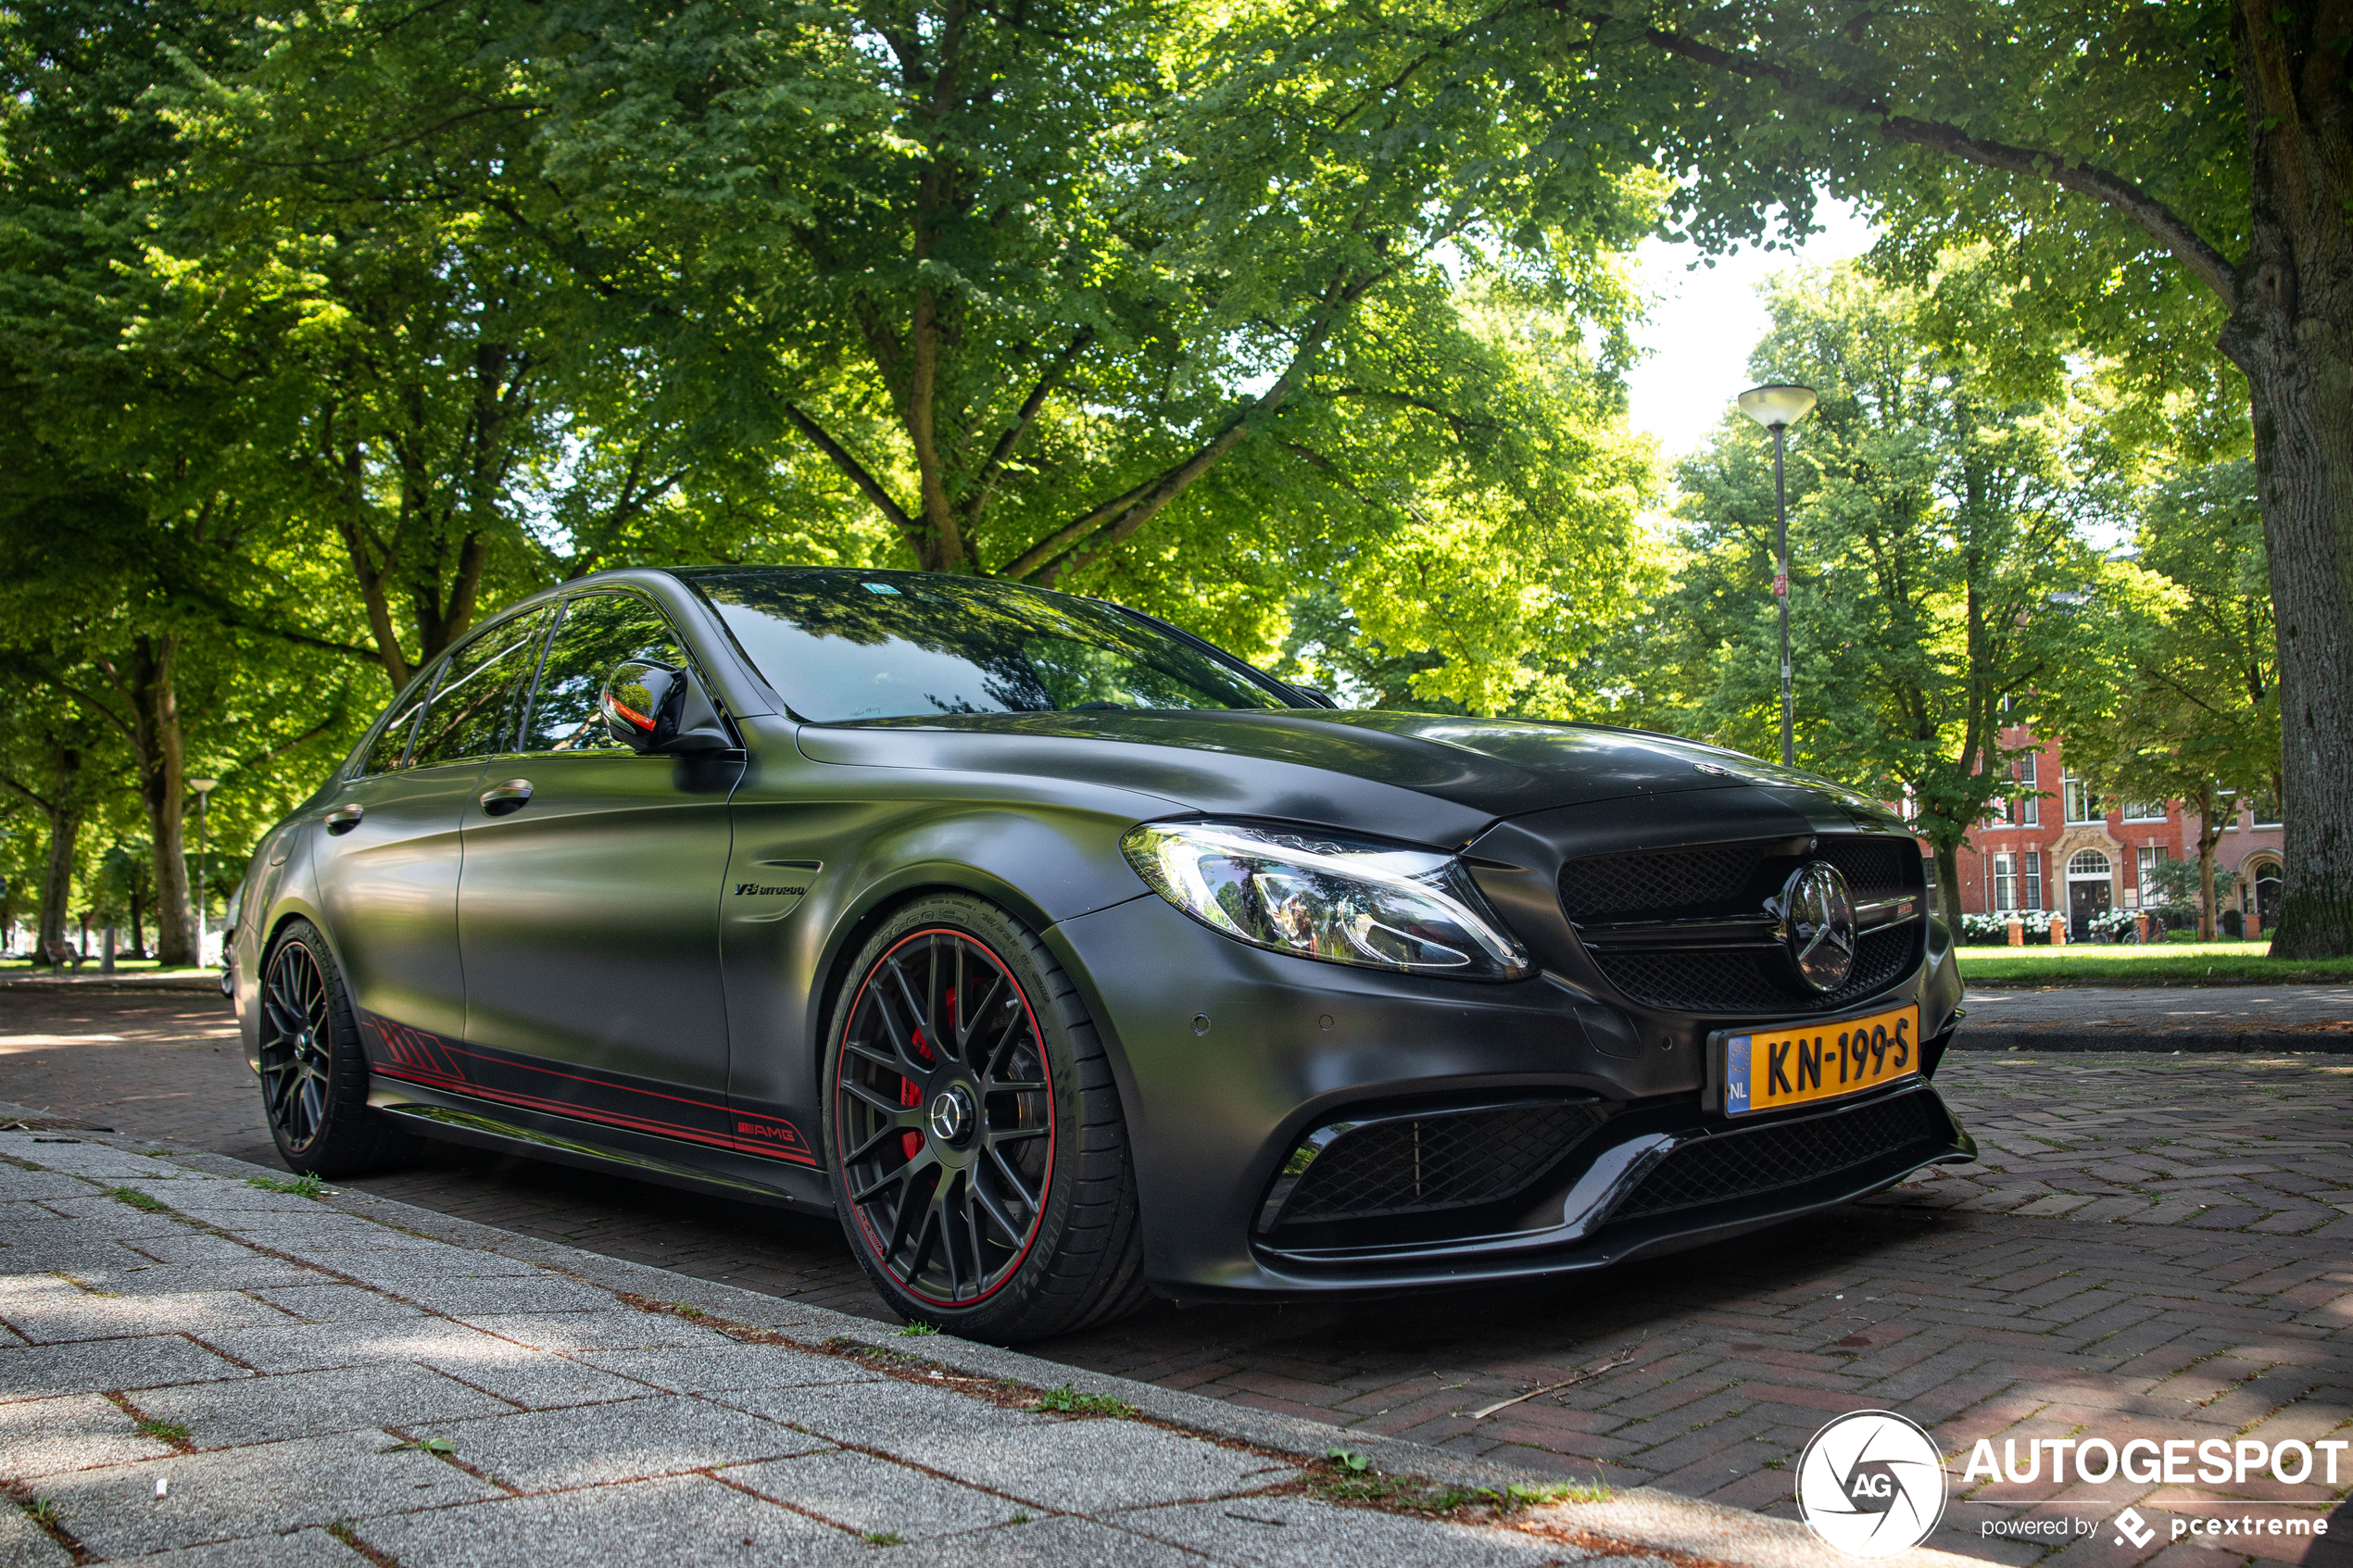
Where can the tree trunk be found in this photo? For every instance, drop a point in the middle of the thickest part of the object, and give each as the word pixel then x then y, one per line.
pixel 154 727
pixel 2292 333
pixel 64 830
pixel 1948 883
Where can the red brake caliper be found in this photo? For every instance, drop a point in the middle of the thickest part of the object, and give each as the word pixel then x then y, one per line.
pixel 911 1096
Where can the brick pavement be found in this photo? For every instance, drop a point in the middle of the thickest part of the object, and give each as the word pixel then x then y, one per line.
pixel 2152 1244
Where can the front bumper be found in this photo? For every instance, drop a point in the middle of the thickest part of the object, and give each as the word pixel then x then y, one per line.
pixel 1229 1056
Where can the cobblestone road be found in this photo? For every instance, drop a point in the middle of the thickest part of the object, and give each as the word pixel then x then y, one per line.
pixel 2152 1244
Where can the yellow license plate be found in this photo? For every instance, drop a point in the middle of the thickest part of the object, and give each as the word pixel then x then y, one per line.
pixel 1770 1069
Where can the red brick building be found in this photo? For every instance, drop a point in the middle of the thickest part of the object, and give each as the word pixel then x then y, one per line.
pixel 2074 853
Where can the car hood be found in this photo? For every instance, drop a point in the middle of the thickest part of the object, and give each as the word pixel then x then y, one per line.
pixel 1215 759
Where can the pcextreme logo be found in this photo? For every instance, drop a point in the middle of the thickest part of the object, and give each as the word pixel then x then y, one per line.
pixel 1872 1484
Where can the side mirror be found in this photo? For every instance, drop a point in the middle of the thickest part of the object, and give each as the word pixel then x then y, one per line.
pixel 648 707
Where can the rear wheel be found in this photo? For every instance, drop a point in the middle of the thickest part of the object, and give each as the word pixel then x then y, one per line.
pixel 974 1133
pixel 314 1074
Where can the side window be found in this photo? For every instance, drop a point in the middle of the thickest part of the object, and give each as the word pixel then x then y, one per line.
pixel 391 747
pixel 597 632
pixel 474 704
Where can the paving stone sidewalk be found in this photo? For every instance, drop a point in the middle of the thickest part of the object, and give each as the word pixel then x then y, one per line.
pixel 199 1369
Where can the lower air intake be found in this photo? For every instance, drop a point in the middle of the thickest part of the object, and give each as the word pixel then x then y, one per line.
pixel 1761 1159
pixel 1443 1161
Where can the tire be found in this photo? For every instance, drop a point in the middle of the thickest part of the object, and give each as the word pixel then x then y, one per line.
pixel 314 1074
pixel 973 1131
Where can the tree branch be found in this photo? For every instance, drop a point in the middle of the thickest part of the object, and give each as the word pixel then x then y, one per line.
pixel 1080 541
pixel 867 484
pixel 1003 452
pixel 2158 220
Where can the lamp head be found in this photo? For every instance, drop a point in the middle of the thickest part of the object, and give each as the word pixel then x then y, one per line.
pixel 204 786
pixel 1778 405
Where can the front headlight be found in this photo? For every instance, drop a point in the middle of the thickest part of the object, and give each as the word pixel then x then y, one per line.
pixel 1342 901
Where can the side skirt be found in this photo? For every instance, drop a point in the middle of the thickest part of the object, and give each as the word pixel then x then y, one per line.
pixel 450 1117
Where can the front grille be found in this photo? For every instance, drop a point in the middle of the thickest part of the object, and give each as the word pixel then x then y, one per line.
pixel 1733 980
pixel 1738 881
pixel 1765 1159
pixel 1438 1161
pixel 1613 887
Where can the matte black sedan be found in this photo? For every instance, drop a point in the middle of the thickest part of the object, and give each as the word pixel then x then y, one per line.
pixel 1069 959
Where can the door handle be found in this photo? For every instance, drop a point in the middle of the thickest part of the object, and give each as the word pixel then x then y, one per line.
pixel 500 799
pixel 343 818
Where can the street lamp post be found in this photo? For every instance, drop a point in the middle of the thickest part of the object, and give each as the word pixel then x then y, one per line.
pixel 203 788
pixel 1776 406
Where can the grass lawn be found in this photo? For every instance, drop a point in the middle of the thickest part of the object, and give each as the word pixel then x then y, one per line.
pixel 12 967
pixel 2171 963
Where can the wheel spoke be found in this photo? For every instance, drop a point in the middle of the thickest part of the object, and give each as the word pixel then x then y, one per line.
pixel 1012 1179
pixel 900 1115
pixel 1013 1134
pixel 864 1052
pixel 995 1209
pixel 880 1136
pixel 882 1184
pixel 1008 1036
pixel 942 1220
pixel 974 1236
pixel 1016 1085
pixel 903 1211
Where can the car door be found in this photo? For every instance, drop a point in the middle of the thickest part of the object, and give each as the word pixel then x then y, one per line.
pixel 588 910
pixel 390 842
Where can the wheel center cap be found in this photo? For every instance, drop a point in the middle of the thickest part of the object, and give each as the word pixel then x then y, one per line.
pixel 951 1115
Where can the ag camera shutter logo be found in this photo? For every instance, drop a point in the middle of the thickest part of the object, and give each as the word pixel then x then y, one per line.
pixel 1872 1484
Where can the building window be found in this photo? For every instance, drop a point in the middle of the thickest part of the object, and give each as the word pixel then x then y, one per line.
pixel 2005 882
pixel 2030 808
pixel 2087 862
pixel 2150 855
pixel 2266 806
pixel 2030 894
pixel 2144 810
pixel 2082 806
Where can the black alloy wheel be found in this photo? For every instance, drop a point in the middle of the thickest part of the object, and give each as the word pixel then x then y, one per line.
pixel 962 1067
pixel 297 1033
pixel 314 1074
pixel 946 1112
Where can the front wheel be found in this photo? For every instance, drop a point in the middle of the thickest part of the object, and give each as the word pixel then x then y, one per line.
pixel 314 1074
pixel 974 1132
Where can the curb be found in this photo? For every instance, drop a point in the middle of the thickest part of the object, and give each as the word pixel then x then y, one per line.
pixel 1641 1516
pixel 2240 1042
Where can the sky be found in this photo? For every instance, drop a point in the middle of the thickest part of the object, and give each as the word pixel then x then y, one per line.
pixel 1707 321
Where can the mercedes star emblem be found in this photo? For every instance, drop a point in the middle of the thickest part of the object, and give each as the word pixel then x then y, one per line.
pixel 1817 924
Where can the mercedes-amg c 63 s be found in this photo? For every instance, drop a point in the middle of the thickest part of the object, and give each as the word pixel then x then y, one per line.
pixel 1069 960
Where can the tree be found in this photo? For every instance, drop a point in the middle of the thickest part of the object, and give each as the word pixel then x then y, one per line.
pixel 1934 553
pixel 1026 278
pixel 2186 706
pixel 52 759
pixel 2158 176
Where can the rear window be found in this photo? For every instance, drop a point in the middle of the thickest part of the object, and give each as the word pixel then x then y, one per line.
pixel 843 645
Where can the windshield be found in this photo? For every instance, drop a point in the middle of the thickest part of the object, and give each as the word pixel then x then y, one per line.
pixel 843 645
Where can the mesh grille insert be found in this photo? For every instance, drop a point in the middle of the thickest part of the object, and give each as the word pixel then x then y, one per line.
pixel 1720 980
pixel 1437 1162
pixel 1656 880
pixel 1767 1159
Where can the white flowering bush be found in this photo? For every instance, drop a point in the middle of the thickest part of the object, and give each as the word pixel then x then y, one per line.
pixel 2110 924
